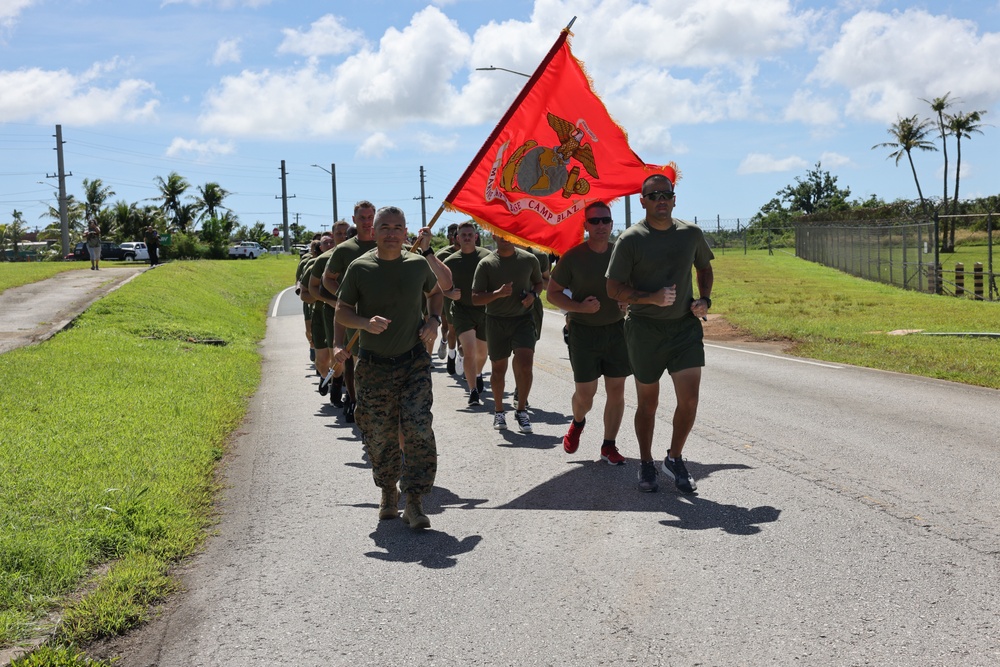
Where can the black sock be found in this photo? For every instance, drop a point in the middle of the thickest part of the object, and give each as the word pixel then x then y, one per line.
pixel 581 423
pixel 608 443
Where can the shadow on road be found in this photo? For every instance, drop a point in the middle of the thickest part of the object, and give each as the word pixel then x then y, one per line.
pixel 595 486
pixel 430 548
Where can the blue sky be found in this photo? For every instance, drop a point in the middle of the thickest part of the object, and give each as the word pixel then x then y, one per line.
pixel 744 95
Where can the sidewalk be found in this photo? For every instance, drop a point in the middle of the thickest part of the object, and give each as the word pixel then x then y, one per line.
pixel 33 313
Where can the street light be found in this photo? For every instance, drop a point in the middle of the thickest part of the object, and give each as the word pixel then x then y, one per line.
pixel 333 180
pixel 491 68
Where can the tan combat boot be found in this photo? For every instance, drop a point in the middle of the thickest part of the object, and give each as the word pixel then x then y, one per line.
pixel 389 507
pixel 413 514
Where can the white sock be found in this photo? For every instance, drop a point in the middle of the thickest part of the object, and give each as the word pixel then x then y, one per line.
pixel 451 353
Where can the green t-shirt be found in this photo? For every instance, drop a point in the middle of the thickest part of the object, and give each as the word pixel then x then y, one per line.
pixel 494 271
pixel 544 263
pixel 649 259
pixel 345 253
pixel 301 266
pixel 392 289
pixel 317 270
pixel 445 253
pixel 582 272
pixel 463 270
pixel 306 272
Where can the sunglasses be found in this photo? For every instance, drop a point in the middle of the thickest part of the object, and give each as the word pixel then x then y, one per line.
pixel 600 221
pixel 659 195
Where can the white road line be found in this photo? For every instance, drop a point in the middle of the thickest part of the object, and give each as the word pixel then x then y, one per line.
pixel 274 311
pixel 775 356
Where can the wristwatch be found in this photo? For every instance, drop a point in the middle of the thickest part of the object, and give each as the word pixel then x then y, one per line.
pixel 428 252
pixel 436 317
pixel 708 300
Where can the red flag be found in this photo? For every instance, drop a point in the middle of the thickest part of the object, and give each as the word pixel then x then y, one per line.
pixel 554 151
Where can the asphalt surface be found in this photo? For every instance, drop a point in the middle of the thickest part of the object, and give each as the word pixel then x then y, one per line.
pixel 35 312
pixel 844 517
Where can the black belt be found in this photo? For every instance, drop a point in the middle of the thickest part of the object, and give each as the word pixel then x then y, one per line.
pixel 415 352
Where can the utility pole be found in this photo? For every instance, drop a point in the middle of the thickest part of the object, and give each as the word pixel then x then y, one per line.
pixel 61 174
pixel 423 200
pixel 628 211
pixel 284 206
pixel 333 183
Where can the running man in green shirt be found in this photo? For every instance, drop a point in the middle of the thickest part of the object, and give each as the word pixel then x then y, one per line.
pixel 650 270
pixel 596 332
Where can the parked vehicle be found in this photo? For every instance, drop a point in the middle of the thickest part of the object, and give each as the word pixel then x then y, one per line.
pixel 108 251
pixel 246 250
pixel 135 250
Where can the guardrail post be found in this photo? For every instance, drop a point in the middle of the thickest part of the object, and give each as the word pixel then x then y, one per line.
pixel 959 278
pixel 977 280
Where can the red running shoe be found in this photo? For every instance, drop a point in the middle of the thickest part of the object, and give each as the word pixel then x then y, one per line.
pixel 571 441
pixel 611 454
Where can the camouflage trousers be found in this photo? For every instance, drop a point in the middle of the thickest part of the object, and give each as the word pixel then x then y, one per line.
pixel 393 398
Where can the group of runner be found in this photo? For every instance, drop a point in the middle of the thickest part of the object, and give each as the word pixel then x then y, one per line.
pixel 629 306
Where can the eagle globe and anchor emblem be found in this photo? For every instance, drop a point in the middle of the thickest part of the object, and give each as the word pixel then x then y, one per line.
pixel 541 171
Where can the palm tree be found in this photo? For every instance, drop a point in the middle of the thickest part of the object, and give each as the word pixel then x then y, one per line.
pixel 185 217
pixel 171 191
pixel 962 125
pixel 14 232
pixel 939 105
pixel 74 215
pixel 95 193
pixel 210 200
pixel 909 133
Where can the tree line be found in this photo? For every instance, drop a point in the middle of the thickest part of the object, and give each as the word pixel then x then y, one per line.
pixel 818 198
pixel 179 209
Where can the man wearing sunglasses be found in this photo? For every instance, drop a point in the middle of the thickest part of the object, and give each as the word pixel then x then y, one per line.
pixel 650 270
pixel 596 332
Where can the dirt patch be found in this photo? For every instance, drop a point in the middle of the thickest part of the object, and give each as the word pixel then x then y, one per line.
pixel 718 330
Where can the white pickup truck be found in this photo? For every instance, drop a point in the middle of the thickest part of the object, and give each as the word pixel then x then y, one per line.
pixel 245 250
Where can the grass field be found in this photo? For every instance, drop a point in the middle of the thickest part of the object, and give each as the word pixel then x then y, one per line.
pixel 829 315
pixel 15 274
pixel 112 430
pixel 109 438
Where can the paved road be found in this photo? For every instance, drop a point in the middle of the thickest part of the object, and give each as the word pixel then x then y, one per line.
pixel 844 517
pixel 35 312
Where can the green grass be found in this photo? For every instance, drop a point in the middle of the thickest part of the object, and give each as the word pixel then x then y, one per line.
pixel 829 315
pixel 109 438
pixel 15 274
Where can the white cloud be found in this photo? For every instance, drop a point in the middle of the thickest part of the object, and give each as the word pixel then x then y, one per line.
pixel 375 146
pixel 11 9
pixel 405 80
pixel 759 163
pixel 890 61
pixel 203 150
pixel 834 160
pixel 805 107
pixel 63 97
pixel 227 51
pixel 431 143
pixel 326 36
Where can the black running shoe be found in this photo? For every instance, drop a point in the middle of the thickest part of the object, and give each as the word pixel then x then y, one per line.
pixel 480 384
pixel 349 412
pixel 337 393
pixel 474 399
pixel 451 365
pixel 647 477
pixel 677 471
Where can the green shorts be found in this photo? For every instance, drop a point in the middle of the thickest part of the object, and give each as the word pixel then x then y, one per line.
pixel 307 310
pixel 596 351
pixel 322 325
pixel 655 346
pixel 506 334
pixel 465 319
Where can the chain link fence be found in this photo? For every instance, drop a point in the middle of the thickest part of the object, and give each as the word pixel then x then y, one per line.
pixel 901 253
